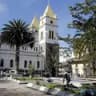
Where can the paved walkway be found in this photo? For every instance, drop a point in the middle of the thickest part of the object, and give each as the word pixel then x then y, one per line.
pixel 9 88
pixel 76 80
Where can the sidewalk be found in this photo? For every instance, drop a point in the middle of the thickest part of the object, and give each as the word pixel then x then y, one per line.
pixel 76 81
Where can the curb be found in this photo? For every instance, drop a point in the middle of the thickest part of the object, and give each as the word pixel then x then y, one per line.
pixel 19 82
pixel 37 87
pixel 54 92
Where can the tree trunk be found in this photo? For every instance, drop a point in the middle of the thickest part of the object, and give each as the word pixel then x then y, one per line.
pixel 17 58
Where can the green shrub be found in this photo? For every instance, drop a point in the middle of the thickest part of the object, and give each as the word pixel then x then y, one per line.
pixel 51 86
pixel 75 91
pixel 20 78
pixel 86 86
pixel 23 78
pixel 62 89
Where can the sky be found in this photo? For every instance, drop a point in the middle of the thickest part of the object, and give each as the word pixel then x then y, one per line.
pixel 27 9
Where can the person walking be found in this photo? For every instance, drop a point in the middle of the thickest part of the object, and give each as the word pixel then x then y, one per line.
pixel 67 78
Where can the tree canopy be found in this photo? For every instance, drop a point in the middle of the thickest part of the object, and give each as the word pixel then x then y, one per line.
pixel 16 33
pixel 84 21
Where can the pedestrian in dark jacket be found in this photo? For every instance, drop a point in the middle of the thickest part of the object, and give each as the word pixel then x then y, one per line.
pixel 67 78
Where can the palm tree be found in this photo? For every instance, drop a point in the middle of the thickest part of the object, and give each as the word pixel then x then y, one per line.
pixel 16 33
pixel 67 39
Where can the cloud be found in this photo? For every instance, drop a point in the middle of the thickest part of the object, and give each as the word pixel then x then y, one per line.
pixel 3 8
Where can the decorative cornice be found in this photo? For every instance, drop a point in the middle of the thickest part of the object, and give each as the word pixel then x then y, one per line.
pixel 48 17
pixel 48 25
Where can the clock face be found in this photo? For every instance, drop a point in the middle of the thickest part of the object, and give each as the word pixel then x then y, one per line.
pixel 51 22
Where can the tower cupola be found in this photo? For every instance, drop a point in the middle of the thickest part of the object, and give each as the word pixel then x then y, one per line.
pixel 49 12
pixel 34 24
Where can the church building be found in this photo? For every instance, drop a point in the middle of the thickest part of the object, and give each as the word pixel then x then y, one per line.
pixel 46 36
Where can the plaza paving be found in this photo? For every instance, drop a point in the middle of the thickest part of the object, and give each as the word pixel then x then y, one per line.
pixel 9 88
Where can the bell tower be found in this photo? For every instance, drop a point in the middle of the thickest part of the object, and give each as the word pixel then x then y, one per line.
pixel 48 35
pixel 34 27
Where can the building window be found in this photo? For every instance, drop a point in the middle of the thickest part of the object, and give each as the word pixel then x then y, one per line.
pixel 41 35
pixel 38 64
pixel 2 63
pixel 11 63
pixel 24 48
pixel 25 64
pixel 12 47
pixel 36 49
pixel 30 62
pixel 51 34
pixel 41 48
pixel 0 45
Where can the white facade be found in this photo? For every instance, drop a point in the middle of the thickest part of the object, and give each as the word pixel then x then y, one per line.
pixel 36 55
pixel 48 27
pixel 65 54
pixel 78 70
pixel 27 54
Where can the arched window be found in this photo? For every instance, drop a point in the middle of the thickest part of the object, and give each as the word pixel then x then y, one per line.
pixel 2 63
pixel 11 63
pixel 41 48
pixel 30 62
pixel 38 64
pixel 52 33
pixel 36 49
pixel 25 64
pixel 0 45
pixel 49 34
